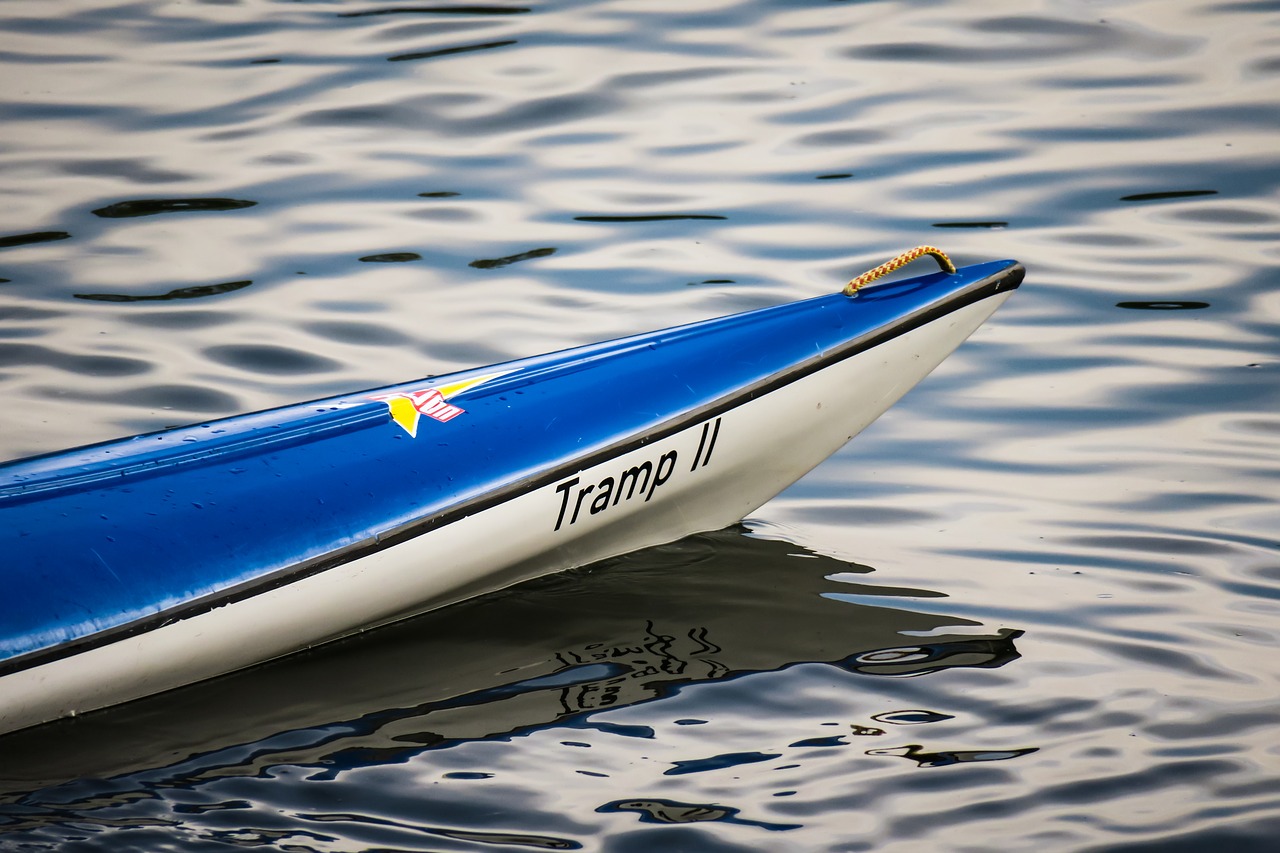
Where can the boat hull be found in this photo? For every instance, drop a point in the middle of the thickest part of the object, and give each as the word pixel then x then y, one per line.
pixel 687 471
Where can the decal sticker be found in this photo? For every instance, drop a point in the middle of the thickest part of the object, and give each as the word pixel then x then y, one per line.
pixel 407 408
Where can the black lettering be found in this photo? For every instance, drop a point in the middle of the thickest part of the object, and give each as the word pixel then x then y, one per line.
pixel 604 492
pixel 712 446
pixel 564 503
pixel 702 442
pixel 669 460
pixel 634 474
pixel 577 508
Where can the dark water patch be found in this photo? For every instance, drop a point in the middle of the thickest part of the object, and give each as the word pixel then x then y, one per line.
pixel 1037 39
pixel 468 775
pixel 1245 6
pixel 181 319
pixel 25 313
pixel 1133 81
pixel 668 811
pixel 691 722
pixel 873 515
pixel 132 169
pixel 269 359
pixel 392 258
pixel 351 306
pixel 156 206
pixel 864 731
pixel 926 658
pixel 989 223
pixel 917 753
pixel 498 263
pixel 841 138
pixel 193 292
pixel 672 811
pixel 5 280
pixel 718 762
pixel 19 332
pixel 12 355
pixel 1157 777
pixel 34 237
pixel 819 742
pixel 837 176
pixel 263 61
pixel 1157 656
pixel 1166 546
pixel 891 591
pixel 911 718
pixel 642 732
pixel 352 332
pixel 441 194
pixel 1215 726
pixel 1164 305
pixel 445 213
pixel 1167 194
pixel 650 79
pixel 205 808
pixel 535 113
pixel 1057 715
pixel 1168 125
pixel 537 842
pixel 1220 215
pixel 1108 239
pixel 437 10
pixel 449 51
pixel 178 397
pixel 718 281
pixel 1247 835
pixel 17 58
pixel 650 217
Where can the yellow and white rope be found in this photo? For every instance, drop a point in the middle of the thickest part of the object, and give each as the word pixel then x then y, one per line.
pixel 852 288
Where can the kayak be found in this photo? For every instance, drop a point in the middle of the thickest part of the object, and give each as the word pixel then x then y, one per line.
pixel 142 564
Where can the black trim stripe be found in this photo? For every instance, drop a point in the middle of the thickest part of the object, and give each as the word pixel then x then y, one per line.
pixel 1006 280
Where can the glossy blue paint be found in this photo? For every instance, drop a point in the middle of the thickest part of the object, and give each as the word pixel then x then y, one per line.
pixel 100 537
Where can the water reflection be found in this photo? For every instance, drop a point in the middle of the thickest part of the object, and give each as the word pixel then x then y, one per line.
pixel 917 753
pixel 551 652
pixel 669 811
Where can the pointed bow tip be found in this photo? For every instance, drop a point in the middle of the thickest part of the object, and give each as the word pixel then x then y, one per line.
pixel 1011 276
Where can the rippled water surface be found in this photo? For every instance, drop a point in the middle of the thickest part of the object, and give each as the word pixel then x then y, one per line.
pixel 1034 607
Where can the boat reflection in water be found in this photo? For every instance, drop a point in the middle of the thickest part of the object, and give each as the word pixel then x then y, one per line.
pixel 550 651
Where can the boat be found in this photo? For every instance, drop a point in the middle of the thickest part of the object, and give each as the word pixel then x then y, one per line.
pixel 138 565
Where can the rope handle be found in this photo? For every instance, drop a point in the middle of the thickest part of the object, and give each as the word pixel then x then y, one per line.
pixel 852 288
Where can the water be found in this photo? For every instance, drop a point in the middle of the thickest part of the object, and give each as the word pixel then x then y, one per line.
pixel 1033 607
